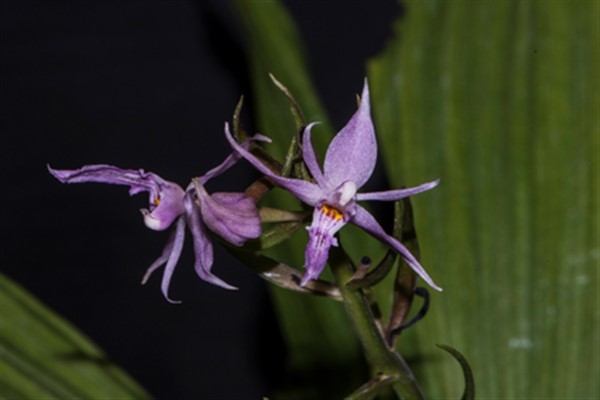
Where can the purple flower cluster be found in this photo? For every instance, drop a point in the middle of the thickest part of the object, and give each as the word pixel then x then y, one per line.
pixel 349 163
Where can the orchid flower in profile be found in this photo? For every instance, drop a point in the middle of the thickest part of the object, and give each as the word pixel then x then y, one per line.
pixel 233 216
pixel 349 163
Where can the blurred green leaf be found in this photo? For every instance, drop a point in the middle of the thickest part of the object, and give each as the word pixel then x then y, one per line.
pixel 469 392
pixel 43 357
pixel 501 100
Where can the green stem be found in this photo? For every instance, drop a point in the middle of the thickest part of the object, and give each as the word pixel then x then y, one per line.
pixel 380 357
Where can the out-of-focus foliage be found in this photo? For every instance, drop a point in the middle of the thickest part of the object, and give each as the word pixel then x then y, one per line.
pixel 501 100
pixel 43 357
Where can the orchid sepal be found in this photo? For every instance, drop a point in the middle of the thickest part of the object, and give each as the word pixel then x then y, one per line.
pixel 165 201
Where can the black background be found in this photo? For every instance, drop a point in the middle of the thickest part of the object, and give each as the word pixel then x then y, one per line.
pixel 148 84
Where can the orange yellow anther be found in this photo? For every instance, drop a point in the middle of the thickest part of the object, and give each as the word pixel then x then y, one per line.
pixel 331 212
pixel 156 201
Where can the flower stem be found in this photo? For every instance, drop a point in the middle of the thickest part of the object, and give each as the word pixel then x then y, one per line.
pixel 381 358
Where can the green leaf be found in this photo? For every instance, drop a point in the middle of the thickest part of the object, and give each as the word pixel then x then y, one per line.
pixel 500 100
pixel 44 357
pixel 469 392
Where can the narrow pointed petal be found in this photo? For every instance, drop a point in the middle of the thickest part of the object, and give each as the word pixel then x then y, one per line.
pixel 327 221
pixel 138 180
pixel 230 160
pixel 203 247
pixel 160 261
pixel 165 200
pixel 178 240
pixel 365 220
pixel 233 216
pixel 393 195
pixel 306 191
pixel 352 154
pixel 310 158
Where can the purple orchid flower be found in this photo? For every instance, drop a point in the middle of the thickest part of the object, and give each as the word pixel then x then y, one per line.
pixel 349 163
pixel 233 216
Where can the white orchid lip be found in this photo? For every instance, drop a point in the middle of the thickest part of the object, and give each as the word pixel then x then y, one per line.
pixel 151 222
pixel 349 163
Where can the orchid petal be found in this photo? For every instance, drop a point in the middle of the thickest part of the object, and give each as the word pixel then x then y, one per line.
pixel 233 216
pixel 365 220
pixel 166 198
pixel 230 160
pixel 306 191
pixel 160 261
pixel 352 154
pixel 138 180
pixel 178 240
pixel 310 158
pixel 394 195
pixel 203 247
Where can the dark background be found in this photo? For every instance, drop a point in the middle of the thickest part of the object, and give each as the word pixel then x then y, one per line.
pixel 148 84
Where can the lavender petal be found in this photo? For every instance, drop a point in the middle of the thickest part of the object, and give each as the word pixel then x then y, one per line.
pixel 203 247
pixel 393 195
pixel 230 160
pixel 178 240
pixel 310 158
pixel 160 261
pixel 352 154
pixel 137 180
pixel 165 198
pixel 233 216
pixel 306 191
pixel 365 220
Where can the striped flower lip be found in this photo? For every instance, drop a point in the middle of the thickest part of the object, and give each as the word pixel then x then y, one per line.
pixel 349 163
